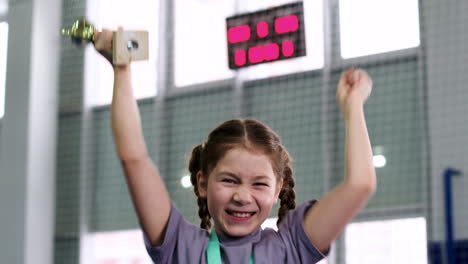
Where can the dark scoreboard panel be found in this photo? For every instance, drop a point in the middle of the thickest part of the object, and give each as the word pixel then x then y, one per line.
pixel 266 35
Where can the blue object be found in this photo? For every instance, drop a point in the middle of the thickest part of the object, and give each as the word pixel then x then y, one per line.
pixel 449 172
pixel 436 251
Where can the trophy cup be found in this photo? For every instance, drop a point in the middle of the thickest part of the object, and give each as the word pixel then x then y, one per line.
pixel 127 46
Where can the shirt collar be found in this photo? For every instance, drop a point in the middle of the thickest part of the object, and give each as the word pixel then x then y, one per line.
pixel 227 240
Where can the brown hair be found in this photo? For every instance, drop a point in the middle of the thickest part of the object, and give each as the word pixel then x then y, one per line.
pixel 250 134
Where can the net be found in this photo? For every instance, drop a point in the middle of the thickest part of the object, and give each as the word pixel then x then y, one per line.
pixel 416 53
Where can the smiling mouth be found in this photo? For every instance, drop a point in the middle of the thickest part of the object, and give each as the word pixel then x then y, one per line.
pixel 239 216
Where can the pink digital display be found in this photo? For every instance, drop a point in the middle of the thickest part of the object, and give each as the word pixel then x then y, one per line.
pixel 266 35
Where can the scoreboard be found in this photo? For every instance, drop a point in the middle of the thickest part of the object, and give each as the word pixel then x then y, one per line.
pixel 265 36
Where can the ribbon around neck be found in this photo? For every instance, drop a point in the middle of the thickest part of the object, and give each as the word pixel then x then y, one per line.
pixel 213 251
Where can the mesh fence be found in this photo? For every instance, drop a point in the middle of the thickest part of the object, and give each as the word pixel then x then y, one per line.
pixel 416 117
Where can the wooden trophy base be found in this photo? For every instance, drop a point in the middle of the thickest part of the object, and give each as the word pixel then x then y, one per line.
pixel 129 46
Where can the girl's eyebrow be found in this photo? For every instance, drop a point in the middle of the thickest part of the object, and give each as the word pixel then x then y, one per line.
pixel 262 177
pixel 228 174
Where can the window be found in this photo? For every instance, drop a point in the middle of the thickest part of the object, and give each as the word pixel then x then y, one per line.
pixel 200 41
pixel 388 241
pixel 132 15
pixel 122 247
pixel 3 62
pixel 375 26
pixel 3 7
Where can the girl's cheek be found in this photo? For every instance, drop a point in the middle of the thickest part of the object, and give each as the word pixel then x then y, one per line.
pixel 265 195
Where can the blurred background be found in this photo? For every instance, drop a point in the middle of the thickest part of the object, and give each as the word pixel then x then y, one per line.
pixel 63 197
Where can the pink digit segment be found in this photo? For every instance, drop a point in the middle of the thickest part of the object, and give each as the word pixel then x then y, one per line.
pixel 271 51
pixel 240 57
pixel 238 34
pixel 262 29
pixel 287 48
pixel 256 54
pixel 286 24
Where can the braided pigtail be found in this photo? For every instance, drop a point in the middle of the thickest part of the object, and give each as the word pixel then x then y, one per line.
pixel 287 194
pixel 195 165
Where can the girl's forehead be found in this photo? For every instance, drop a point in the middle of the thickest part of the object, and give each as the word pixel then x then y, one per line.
pixel 243 162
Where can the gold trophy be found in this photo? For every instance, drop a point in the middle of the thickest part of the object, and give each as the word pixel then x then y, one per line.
pixel 127 46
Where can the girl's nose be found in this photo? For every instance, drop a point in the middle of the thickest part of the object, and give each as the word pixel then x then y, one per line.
pixel 242 196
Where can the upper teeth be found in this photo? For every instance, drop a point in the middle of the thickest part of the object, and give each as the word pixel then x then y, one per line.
pixel 241 214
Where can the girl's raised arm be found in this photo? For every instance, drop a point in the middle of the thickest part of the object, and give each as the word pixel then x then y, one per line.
pixel 327 219
pixel 149 195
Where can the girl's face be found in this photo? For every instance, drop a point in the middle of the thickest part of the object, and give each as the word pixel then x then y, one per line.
pixel 240 191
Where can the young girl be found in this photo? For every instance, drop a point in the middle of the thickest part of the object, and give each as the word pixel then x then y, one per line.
pixel 238 173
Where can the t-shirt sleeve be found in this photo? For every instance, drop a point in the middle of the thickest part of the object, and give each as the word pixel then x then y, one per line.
pixel 183 242
pixel 298 245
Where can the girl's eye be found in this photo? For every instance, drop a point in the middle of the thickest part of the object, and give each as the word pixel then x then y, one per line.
pixel 260 184
pixel 229 181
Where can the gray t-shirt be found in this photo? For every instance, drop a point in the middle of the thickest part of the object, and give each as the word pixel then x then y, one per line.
pixel 186 243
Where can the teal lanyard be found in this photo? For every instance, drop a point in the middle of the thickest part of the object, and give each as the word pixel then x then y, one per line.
pixel 213 251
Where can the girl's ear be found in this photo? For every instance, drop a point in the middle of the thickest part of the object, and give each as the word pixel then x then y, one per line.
pixel 279 187
pixel 202 183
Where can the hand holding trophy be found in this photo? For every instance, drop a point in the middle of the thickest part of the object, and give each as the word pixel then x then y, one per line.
pixel 126 46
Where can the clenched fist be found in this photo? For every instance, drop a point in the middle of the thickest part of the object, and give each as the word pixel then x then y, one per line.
pixel 103 43
pixel 354 88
